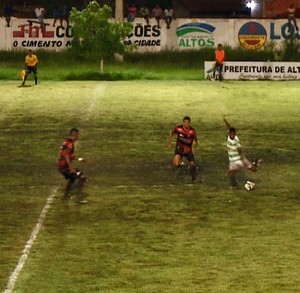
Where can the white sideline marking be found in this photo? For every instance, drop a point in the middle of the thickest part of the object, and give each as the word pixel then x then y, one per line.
pixel 97 92
pixel 14 276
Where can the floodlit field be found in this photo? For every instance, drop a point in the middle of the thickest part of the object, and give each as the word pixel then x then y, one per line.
pixel 145 229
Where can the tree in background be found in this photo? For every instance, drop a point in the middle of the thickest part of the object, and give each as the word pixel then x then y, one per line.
pixel 96 35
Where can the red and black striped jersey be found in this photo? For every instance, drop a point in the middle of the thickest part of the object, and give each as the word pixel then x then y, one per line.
pixel 185 138
pixel 67 145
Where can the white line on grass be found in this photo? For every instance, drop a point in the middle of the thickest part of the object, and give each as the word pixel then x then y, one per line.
pixel 97 92
pixel 14 276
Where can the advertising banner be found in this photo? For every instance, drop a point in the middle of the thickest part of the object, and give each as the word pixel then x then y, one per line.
pixel 183 34
pixel 30 34
pixel 146 37
pixel 255 70
pixel 197 34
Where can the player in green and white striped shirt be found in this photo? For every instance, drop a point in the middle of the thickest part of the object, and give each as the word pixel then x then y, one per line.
pixel 237 159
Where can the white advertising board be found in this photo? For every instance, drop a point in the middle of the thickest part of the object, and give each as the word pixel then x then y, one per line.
pixel 28 34
pixel 184 34
pixel 256 70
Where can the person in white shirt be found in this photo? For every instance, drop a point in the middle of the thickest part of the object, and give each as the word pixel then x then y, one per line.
pixel 169 16
pixel 40 12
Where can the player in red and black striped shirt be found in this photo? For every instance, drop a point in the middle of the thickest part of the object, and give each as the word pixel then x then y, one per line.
pixel 186 144
pixel 67 156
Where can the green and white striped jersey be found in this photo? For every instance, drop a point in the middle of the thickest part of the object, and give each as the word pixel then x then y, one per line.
pixel 232 148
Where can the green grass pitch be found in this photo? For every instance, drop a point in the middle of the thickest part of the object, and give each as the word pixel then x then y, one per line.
pixel 144 229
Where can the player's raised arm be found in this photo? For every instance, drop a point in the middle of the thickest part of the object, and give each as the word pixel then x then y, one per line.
pixel 227 125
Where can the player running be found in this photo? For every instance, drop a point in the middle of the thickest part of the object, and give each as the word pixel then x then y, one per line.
pixel 237 159
pixel 67 156
pixel 31 62
pixel 186 145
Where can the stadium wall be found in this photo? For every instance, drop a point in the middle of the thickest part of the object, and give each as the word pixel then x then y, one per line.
pixel 184 34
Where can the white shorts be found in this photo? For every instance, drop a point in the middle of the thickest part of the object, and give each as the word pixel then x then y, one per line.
pixel 236 165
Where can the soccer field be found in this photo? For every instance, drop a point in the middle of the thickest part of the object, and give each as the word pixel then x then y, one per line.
pixel 146 229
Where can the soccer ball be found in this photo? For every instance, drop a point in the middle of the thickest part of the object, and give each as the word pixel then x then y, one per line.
pixel 249 185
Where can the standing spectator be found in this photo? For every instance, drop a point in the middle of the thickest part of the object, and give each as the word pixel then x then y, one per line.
pixel 169 16
pixel 8 11
pixel 219 57
pixel 40 13
pixel 145 13
pixel 186 145
pixel 131 13
pixel 31 62
pixel 157 14
pixel 291 16
pixel 65 15
pixel 55 16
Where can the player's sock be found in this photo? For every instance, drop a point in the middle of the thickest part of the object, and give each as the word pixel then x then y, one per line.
pixel 233 182
pixel 35 79
pixel 193 173
pixel 180 169
pixel 23 83
pixel 67 191
pixel 81 182
pixel 81 196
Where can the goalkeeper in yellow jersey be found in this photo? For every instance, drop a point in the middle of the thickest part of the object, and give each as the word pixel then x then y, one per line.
pixel 31 62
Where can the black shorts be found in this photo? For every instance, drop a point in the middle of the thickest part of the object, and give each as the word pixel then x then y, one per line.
pixel 72 176
pixel 188 154
pixel 31 69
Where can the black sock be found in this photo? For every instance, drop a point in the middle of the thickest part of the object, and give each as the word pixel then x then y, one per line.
pixel 233 181
pixel 193 172
pixel 24 79
pixel 68 189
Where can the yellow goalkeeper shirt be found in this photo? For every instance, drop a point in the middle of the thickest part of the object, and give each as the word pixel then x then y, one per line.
pixel 31 61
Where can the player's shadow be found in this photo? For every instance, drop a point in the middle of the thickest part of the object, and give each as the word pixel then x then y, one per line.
pixel 24 86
